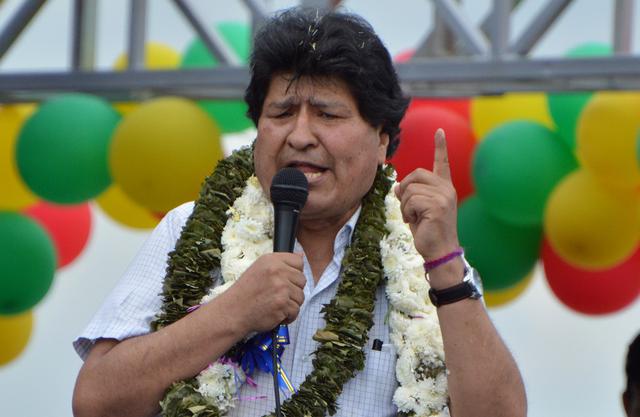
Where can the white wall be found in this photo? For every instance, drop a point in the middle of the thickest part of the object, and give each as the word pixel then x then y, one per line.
pixel 572 364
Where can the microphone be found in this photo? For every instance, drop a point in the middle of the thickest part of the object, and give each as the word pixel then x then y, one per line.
pixel 289 191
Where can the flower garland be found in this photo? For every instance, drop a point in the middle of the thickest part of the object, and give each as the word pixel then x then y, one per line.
pixel 382 246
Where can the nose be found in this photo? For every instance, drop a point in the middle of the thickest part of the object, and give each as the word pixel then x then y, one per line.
pixel 302 134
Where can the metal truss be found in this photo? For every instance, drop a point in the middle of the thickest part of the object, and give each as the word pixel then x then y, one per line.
pixel 457 58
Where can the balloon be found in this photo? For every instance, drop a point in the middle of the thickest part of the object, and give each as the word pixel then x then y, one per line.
pixel 488 112
pixel 460 106
pixel 516 167
pixel 27 263
pixel 502 253
pixel 565 108
pixel 62 148
pixel 68 226
pixel 117 205
pixel 162 151
pixel 607 132
pixel 15 194
pixel 157 56
pixel 498 298
pixel 15 332
pixel 592 292
pixel 417 145
pixel 590 226
pixel 230 115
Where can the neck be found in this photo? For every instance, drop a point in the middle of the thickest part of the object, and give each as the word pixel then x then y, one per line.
pixel 317 238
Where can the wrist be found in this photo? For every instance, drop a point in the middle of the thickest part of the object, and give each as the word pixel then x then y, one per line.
pixel 447 274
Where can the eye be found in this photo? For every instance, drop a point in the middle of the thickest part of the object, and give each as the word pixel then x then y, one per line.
pixel 282 115
pixel 329 116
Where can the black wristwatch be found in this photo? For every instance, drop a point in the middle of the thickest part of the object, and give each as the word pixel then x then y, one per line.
pixel 470 287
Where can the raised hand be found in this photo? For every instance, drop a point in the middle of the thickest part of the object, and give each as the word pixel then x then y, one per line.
pixel 270 292
pixel 429 205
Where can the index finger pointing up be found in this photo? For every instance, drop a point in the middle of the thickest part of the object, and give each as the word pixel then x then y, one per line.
pixel 440 156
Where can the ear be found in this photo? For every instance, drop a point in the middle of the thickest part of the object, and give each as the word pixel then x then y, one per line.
pixel 382 146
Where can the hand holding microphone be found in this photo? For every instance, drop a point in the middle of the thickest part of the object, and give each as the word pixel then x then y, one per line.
pixel 271 291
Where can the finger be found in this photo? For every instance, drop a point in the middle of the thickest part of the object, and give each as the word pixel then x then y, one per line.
pixel 294 260
pixel 298 279
pixel 292 312
pixel 440 157
pixel 416 206
pixel 420 176
pixel 297 295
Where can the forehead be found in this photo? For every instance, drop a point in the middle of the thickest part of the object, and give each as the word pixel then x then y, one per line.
pixel 283 86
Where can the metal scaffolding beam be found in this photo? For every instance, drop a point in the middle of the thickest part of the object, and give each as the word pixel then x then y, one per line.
pixel 212 40
pixel 83 42
pixel 17 23
pixel 457 59
pixel 137 34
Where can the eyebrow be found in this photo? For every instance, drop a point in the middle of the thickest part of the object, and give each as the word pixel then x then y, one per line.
pixel 319 103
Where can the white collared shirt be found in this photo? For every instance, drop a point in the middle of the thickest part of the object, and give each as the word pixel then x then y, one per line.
pixel 134 302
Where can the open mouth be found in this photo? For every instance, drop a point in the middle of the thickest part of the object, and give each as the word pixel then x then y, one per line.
pixel 311 171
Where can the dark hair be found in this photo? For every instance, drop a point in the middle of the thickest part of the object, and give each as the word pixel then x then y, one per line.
pixel 633 364
pixel 308 44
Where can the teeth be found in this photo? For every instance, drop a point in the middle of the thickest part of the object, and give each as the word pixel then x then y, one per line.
pixel 312 175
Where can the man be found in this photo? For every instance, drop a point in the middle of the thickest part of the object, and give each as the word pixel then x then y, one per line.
pixel 326 100
pixel 631 395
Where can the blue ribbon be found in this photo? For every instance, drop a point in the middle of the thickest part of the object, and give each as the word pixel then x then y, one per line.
pixel 256 354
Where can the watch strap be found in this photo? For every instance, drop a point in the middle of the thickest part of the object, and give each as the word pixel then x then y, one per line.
pixel 449 295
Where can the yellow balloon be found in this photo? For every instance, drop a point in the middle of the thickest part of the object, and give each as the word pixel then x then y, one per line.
pixel 15 332
pixel 589 225
pixel 504 296
pixel 606 137
pixel 157 56
pixel 162 151
pixel 118 206
pixel 488 112
pixel 14 194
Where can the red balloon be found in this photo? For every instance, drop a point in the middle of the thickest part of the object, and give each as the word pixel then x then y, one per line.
pixel 417 145
pixel 68 225
pixel 404 56
pixel 589 291
pixel 460 106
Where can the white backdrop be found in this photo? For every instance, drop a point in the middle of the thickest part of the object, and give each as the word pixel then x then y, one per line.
pixel 572 364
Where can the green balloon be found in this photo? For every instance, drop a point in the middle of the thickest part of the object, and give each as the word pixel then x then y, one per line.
pixel 230 115
pixel 516 167
pixel 27 263
pixel 565 108
pixel 502 253
pixel 62 149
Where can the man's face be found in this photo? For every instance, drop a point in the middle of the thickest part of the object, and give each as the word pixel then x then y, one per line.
pixel 315 126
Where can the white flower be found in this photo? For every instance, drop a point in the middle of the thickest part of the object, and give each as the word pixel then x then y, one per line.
pixel 219 383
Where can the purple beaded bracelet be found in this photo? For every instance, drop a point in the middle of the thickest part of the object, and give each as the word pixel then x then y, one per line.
pixel 429 265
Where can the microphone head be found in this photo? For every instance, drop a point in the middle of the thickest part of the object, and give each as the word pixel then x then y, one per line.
pixel 289 186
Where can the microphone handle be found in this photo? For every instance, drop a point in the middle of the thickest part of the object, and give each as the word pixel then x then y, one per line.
pixel 285 220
